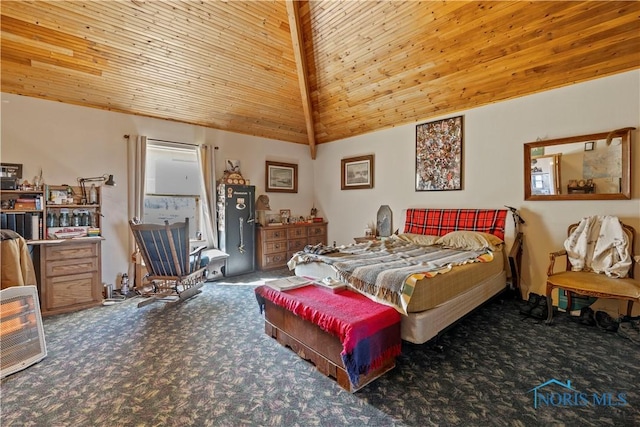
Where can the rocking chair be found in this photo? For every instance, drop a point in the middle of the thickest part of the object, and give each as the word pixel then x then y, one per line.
pixel 174 273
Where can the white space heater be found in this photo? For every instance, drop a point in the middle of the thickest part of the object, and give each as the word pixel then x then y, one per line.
pixel 21 331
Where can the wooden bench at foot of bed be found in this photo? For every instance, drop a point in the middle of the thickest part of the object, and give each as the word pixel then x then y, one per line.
pixel 325 349
pixel 315 345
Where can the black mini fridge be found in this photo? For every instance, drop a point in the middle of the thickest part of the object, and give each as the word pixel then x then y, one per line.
pixel 236 227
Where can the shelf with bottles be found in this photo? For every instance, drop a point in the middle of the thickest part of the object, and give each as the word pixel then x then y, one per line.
pixel 71 196
pixel 66 216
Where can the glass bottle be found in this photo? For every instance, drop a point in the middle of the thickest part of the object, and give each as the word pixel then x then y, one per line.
pixel 93 195
pixel 84 218
pixel 124 284
pixel 52 220
pixel 64 218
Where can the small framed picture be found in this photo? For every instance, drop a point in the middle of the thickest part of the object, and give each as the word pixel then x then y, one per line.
pixel 285 215
pixel 231 165
pixel 11 170
pixel 589 146
pixel 281 177
pixel 357 173
pixel 273 219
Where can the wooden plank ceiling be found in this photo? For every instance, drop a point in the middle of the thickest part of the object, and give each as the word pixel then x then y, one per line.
pixel 308 72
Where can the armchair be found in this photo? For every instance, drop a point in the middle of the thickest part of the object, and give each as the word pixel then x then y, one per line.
pixel 590 283
pixel 175 273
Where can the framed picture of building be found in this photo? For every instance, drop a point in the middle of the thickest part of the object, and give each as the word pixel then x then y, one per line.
pixel 357 172
pixel 281 177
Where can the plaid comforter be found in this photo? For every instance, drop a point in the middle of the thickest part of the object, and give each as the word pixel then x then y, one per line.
pixel 387 271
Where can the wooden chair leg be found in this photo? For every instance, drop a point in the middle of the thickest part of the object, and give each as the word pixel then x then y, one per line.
pixel 549 320
pixel 147 301
pixel 192 291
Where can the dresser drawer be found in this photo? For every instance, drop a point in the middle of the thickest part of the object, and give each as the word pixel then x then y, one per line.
pixel 274 260
pixel 275 247
pixel 317 230
pixel 295 232
pixel 275 235
pixel 67 251
pixel 67 291
pixel 296 244
pixel 71 266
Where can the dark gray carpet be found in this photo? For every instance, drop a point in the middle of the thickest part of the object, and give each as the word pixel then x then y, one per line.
pixel 208 362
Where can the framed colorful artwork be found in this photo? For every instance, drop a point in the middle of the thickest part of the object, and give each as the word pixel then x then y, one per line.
pixel 439 155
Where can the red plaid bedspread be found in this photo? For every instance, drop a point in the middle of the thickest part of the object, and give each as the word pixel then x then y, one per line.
pixel 438 222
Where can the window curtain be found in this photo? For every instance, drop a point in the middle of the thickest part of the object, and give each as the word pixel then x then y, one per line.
pixel 206 157
pixel 136 160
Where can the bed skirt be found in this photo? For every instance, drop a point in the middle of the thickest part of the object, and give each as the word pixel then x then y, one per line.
pixel 420 327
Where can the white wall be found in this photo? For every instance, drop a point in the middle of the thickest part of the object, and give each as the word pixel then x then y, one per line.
pixel 69 142
pixel 493 158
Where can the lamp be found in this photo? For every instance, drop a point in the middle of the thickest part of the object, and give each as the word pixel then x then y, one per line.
pixel 262 205
pixel 108 180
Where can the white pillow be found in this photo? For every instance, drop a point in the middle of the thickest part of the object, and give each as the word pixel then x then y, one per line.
pixel 470 240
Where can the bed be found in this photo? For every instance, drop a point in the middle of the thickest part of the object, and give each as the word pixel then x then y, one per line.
pixel 446 263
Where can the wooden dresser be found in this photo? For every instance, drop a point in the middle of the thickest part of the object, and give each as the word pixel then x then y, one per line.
pixel 69 274
pixel 276 244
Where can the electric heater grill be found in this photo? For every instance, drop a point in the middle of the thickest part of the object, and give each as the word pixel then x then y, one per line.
pixel 21 332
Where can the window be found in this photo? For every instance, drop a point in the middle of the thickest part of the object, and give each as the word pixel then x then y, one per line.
pixel 173 185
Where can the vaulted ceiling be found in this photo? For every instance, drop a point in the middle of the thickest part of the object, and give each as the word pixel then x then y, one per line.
pixel 308 72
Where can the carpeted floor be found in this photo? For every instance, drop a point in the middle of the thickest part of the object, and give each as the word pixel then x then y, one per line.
pixel 208 362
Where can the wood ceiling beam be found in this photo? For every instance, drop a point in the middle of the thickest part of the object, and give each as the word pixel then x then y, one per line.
pixel 301 66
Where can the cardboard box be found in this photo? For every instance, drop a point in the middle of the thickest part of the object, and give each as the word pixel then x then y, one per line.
pixel 25 206
pixel 66 232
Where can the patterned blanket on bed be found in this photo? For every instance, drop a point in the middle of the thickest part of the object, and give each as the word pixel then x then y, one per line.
pixel 387 270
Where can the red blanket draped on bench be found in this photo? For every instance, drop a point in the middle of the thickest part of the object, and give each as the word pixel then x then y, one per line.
pixel 369 332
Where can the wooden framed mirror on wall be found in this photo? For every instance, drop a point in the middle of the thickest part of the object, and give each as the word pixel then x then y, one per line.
pixel 586 167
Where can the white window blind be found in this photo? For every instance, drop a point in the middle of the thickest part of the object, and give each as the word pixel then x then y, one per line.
pixel 173 185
